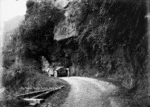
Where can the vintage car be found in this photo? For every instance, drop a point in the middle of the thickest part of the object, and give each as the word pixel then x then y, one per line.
pixel 60 71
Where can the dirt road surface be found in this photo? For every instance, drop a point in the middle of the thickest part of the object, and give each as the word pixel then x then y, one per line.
pixel 88 92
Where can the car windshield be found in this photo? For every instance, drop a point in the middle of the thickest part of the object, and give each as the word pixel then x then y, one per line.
pixel 62 69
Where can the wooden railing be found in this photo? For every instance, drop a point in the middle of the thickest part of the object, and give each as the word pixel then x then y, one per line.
pixel 37 97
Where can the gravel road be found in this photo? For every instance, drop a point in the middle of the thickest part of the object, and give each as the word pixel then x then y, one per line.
pixel 88 92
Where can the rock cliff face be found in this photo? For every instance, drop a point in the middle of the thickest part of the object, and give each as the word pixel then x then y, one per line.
pixel 67 27
pixel 65 30
pixel 98 37
pixel 60 3
pixel 110 37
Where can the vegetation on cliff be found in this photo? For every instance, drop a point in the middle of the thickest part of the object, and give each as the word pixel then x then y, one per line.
pixel 101 38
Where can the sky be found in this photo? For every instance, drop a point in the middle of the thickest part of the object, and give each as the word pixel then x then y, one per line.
pixel 10 9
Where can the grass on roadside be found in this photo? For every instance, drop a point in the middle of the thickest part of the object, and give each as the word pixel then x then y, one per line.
pixel 23 80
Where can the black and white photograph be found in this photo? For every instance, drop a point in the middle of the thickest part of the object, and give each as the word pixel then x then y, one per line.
pixel 74 53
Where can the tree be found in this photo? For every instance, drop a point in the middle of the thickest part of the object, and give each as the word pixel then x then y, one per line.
pixel 36 32
pixel 111 37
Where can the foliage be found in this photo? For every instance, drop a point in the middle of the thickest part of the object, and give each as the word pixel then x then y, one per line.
pixel 34 37
pixel 20 80
pixel 31 40
pixel 36 32
pixel 10 49
pixel 18 77
pixel 110 41
pixel 111 38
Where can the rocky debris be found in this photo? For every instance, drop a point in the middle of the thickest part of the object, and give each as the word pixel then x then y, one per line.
pixel 67 27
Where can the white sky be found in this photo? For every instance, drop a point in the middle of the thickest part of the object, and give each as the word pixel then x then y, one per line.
pixel 12 8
